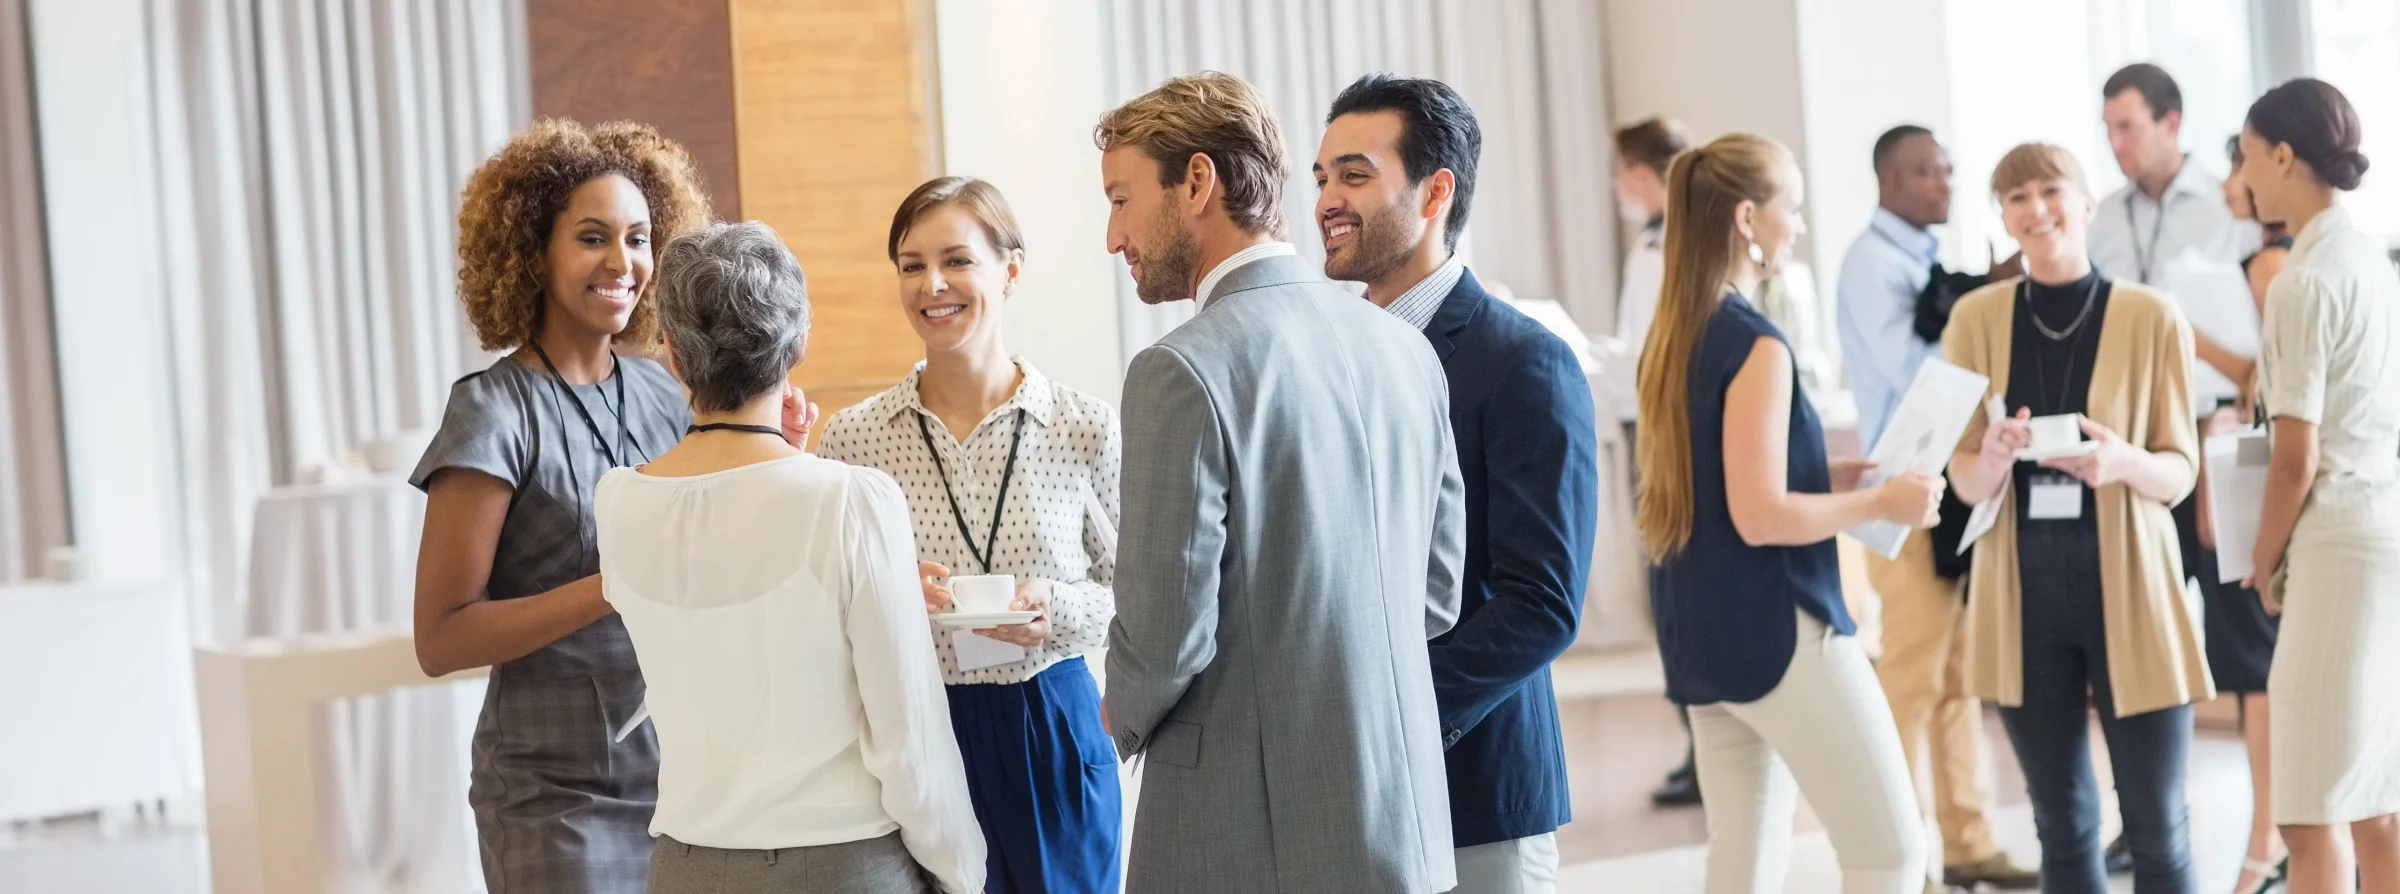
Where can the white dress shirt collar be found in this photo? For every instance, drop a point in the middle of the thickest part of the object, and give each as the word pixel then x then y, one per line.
pixel 1919 243
pixel 1208 284
pixel 1033 395
pixel 2190 180
pixel 1418 305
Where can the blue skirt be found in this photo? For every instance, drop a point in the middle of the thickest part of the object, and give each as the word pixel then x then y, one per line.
pixel 1043 775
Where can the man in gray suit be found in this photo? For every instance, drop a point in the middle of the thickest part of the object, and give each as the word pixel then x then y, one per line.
pixel 1293 533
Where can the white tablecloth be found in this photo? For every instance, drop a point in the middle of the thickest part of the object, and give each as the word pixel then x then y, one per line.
pixel 96 698
pixel 339 557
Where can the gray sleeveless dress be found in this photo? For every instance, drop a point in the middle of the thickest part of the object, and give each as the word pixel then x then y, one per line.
pixel 559 806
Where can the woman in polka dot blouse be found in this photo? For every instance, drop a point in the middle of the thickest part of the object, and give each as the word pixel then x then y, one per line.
pixel 1006 472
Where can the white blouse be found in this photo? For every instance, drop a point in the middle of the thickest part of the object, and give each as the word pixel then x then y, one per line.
pixel 2333 316
pixel 1060 523
pixel 776 614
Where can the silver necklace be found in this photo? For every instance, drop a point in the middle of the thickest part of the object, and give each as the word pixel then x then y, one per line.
pixel 2091 294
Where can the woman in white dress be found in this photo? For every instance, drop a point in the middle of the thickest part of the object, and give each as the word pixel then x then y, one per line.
pixel 2329 538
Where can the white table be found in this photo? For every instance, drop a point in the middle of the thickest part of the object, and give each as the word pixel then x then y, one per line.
pixel 341 558
pixel 96 698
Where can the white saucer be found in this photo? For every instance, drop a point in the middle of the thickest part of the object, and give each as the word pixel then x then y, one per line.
pixel 981 620
pixel 2079 448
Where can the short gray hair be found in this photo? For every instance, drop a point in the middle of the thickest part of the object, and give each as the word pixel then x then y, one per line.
pixel 734 306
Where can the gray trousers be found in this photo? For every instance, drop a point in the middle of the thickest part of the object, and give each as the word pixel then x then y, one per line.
pixel 871 866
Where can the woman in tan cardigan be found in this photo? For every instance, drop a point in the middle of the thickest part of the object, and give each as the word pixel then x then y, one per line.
pixel 2079 585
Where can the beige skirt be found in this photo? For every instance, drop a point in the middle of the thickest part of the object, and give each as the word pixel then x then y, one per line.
pixel 2336 677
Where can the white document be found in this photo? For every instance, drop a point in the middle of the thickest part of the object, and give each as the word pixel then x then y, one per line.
pixel 975 651
pixel 1987 512
pixel 2237 493
pixel 1923 432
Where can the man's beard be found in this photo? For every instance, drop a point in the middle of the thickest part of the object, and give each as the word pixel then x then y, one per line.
pixel 1167 270
pixel 1383 244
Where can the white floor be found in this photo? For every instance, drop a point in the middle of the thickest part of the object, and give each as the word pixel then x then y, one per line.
pixel 171 858
pixel 78 858
pixel 2216 857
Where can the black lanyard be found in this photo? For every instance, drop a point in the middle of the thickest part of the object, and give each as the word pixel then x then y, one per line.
pixel 2142 257
pixel 624 429
pixel 2075 331
pixel 991 544
pixel 735 426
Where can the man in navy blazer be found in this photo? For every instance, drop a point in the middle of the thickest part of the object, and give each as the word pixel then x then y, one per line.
pixel 1395 174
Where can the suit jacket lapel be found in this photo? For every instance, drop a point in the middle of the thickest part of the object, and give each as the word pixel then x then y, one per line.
pixel 1456 313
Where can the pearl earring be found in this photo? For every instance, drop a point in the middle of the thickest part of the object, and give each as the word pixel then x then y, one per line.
pixel 1757 256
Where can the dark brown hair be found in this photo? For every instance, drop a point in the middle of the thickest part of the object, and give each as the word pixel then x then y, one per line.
pixel 981 200
pixel 1217 115
pixel 2317 121
pixel 1652 143
pixel 2152 82
pixel 506 211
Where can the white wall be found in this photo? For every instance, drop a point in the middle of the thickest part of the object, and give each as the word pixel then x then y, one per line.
pixel 1021 87
pixel 2003 101
pixel 1715 65
pixel 2356 48
pixel 1907 78
pixel 91 70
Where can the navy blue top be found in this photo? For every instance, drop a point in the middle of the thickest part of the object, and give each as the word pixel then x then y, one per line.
pixel 1528 453
pixel 1724 607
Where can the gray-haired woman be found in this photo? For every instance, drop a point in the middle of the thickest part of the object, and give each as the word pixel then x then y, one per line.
pixel 772 597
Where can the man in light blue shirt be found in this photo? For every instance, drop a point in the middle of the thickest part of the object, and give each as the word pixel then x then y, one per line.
pixel 1885 270
pixel 1922 668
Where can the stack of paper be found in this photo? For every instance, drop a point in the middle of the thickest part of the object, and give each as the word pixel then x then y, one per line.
pixel 2237 493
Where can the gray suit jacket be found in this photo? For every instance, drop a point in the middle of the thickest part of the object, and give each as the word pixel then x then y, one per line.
pixel 1293 534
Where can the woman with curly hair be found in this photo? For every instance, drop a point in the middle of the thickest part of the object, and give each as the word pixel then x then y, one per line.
pixel 554 251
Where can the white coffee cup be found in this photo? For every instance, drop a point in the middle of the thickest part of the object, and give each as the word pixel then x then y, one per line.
pixel 2055 432
pixel 981 594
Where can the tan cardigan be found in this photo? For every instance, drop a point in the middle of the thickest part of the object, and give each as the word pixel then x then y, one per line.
pixel 2142 390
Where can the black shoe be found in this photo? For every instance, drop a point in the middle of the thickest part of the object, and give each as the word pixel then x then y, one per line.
pixel 2120 857
pixel 1682 789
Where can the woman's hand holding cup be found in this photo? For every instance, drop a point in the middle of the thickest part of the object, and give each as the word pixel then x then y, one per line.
pixel 929 575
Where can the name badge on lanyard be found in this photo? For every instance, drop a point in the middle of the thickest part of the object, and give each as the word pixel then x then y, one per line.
pixel 2054 496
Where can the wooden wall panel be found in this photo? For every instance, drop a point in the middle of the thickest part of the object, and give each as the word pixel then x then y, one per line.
pixel 665 64
pixel 831 100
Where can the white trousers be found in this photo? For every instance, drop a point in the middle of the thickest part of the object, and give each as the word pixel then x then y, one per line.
pixel 1824 732
pixel 1526 865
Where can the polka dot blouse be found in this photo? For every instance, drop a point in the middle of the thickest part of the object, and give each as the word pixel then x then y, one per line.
pixel 1060 523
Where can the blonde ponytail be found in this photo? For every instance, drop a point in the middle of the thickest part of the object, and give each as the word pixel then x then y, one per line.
pixel 1704 188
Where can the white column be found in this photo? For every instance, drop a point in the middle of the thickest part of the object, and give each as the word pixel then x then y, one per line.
pixel 92 67
pixel 1021 88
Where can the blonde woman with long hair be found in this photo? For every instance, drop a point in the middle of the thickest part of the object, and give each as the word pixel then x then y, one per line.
pixel 1739 506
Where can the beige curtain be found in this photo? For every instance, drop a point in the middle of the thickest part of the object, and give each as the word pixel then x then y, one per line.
pixel 310 188
pixel 33 473
pixel 311 157
pixel 1543 223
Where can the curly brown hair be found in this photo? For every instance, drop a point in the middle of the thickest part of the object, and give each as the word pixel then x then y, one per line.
pixel 510 202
